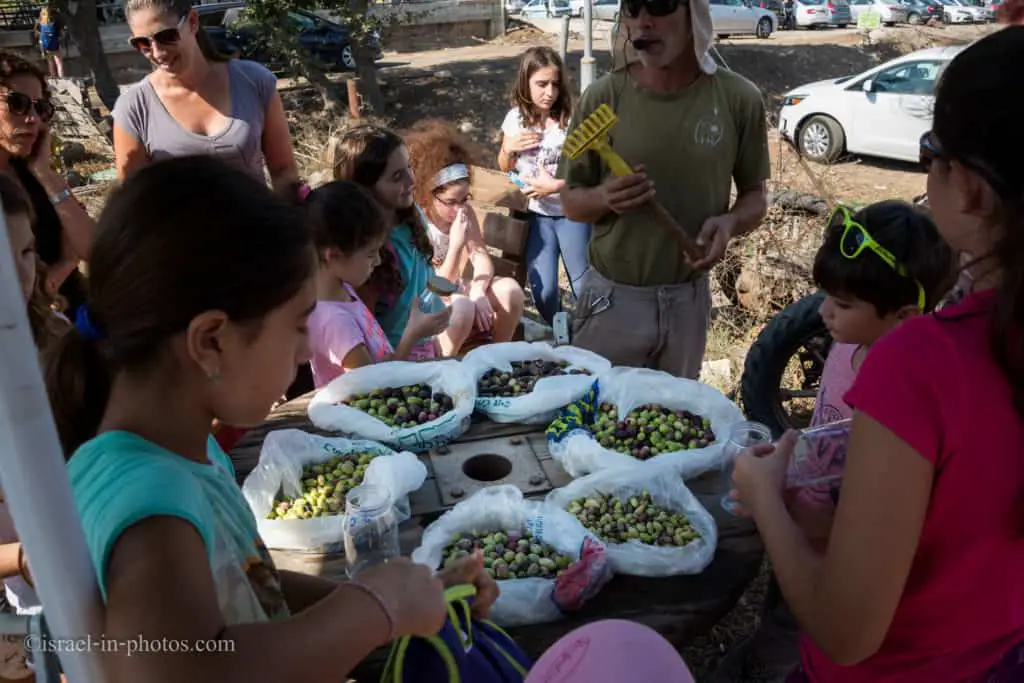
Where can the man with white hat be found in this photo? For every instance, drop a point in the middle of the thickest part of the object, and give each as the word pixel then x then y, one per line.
pixel 690 130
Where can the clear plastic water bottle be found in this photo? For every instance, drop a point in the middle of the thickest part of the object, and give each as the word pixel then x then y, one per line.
pixel 742 435
pixel 430 298
pixel 371 530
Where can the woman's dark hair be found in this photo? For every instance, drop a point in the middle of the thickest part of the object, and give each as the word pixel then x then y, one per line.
pixel 980 136
pixel 180 9
pixel 14 65
pixel 910 236
pixel 361 154
pixel 538 58
pixel 180 237
pixel 45 325
pixel 434 144
pixel 345 216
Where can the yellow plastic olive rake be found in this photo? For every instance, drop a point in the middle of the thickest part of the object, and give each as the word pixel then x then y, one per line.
pixel 592 134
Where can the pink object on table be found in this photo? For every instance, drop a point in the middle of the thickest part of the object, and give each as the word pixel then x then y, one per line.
pixel 611 651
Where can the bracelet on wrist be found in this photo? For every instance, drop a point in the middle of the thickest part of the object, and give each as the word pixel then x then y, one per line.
pixel 376 597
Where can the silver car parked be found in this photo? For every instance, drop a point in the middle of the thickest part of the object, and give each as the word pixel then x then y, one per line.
pixel 811 13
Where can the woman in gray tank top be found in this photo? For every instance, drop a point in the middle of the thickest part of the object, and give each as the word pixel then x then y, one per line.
pixel 198 101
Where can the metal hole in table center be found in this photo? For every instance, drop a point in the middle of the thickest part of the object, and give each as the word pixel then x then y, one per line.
pixel 487 467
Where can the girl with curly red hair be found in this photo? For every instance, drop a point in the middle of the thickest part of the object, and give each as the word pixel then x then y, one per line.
pixel 487 305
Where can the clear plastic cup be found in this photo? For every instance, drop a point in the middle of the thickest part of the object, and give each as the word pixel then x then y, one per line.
pixel 371 529
pixel 742 435
pixel 819 457
pixel 431 297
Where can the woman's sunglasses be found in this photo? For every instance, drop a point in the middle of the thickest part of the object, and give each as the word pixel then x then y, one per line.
pixel 656 8
pixel 21 104
pixel 929 152
pixel 169 36
pixel 856 239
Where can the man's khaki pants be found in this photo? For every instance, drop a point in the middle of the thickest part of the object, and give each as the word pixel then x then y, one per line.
pixel 664 327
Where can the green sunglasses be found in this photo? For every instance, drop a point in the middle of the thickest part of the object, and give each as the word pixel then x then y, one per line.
pixel 856 239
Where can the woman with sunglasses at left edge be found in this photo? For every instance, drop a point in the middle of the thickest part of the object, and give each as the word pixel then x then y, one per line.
pixel 63 228
pixel 198 101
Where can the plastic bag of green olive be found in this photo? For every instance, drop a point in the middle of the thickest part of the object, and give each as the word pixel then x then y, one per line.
pixel 545 562
pixel 632 415
pixel 297 489
pixel 411 406
pixel 650 522
pixel 529 382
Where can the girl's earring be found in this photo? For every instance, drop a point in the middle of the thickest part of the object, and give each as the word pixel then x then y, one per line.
pixel 213 377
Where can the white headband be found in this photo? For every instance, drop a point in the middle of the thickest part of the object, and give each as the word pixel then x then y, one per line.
pixel 449 174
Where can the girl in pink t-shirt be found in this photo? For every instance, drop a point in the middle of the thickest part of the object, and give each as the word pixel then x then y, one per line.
pixel 922 580
pixel 350 230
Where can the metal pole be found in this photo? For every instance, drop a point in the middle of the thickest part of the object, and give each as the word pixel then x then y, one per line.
pixel 563 38
pixel 37 491
pixel 588 63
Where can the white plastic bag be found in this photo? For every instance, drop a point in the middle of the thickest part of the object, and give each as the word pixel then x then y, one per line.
pixel 549 395
pixel 580 454
pixel 668 492
pixel 286 451
pixel 530 600
pixel 448 377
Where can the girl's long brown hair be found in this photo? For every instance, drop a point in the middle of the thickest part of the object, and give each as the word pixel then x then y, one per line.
pixel 361 154
pixel 532 60
pixel 45 324
pixel 433 145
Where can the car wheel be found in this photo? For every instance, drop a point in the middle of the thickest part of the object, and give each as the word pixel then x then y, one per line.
pixel 914 18
pixel 348 59
pixel 764 27
pixel 821 139
pixel 842 25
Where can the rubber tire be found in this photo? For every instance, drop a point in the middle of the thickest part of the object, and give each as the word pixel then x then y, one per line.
pixel 913 18
pixel 764 28
pixel 837 139
pixel 769 355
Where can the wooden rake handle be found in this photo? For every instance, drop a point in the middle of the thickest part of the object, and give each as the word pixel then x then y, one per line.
pixel 686 243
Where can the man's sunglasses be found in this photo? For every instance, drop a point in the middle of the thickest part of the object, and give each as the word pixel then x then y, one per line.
pixel 21 104
pixel 169 36
pixel 656 8
pixel 856 239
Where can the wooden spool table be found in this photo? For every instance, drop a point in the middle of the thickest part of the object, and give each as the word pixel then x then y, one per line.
pixel 678 607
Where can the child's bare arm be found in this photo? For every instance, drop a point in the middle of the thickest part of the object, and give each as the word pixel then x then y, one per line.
pixel 10 556
pixel 159 585
pixel 303 590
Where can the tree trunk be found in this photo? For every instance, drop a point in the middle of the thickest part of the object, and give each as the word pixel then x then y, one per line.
pixel 366 69
pixel 85 31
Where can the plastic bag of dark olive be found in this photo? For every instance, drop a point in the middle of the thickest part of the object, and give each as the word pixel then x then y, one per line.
pixel 633 415
pixel 650 522
pixel 529 382
pixel 412 406
pixel 297 490
pixel 545 562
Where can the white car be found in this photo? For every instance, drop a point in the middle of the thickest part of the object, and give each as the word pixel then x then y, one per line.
pixel 736 17
pixel 955 13
pixel 881 112
pixel 809 13
pixel 979 15
pixel 540 9
pixel 889 11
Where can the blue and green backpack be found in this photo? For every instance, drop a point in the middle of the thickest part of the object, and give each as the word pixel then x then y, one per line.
pixel 466 650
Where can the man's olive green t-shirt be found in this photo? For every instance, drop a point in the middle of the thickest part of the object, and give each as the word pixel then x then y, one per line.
pixel 693 143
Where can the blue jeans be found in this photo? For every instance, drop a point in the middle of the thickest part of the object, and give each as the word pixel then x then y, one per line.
pixel 550 236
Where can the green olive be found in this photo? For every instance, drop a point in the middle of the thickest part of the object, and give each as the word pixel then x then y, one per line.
pixel 650 430
pixel 523 378
pixel 403 407
pixel 324 487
